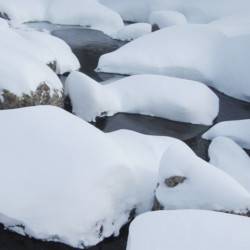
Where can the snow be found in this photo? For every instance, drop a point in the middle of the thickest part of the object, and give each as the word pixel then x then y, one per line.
pixel 63 192
pixel 25 74
pixel 41 46
pixel 130 10
pixel 201 11
pixel 88 13
pixel 196 52
pixel 196 191
pixel 237 130
pixel 154 95
pixel 228 156
pixel 145 153
pixel 132 31
pixel 189 229
pixel 165 19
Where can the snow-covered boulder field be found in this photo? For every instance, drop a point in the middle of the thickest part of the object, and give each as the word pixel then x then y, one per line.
pixel 202 11
pixel 154 95
pixel 228 156
pixel 88 13
pixel 63 192
pixel 185 183
pixel 238 130
pixel 189 229
pixel 28 59
pixel 196 52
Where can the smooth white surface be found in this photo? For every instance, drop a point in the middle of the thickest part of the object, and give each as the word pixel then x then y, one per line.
pixel 189 229
pixel 154 95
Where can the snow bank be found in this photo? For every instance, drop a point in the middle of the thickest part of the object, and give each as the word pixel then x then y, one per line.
pixel 237 130
pixel 132 31
pixel 196 52
pixel 165 19
pixel 189 229
pixel 160 96
pixel 228 156
pixel 88 13
pixel 185 183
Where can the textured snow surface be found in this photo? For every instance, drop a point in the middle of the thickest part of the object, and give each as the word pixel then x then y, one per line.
pixel 88 13
pixel 196 191
pixel 189 229
pixel 228 156
pixel 237 130
pixel 155 95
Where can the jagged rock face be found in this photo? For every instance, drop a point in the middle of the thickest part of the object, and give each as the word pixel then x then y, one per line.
pixel 43 95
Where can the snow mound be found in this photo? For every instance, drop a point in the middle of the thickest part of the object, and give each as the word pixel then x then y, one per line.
pixel 189 229
pixel 60 190
pixel 41 46
pixel 165 19
pixel 185 183
pixel 132 31
pixel 228 156
pixel 154 95
pixel 130 10
pixel 196 52
pixel 145 153
pixel 88 13
pixel 237 130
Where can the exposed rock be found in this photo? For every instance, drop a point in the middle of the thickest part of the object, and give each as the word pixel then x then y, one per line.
pixel 174 181
pixel 42 96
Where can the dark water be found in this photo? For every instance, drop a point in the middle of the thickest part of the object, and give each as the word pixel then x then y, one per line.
pixel 89 45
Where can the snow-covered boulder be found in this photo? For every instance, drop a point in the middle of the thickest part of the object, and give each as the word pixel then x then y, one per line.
pixel 228 156
pixel 130 10
pixel 49 49
pixel 132 31
pixel 145 153
pixel 88 13
pixel 196 52
pixel 154 95
pixel 188 182
pixel 238 130
pixel 189 229
pixel 41 46
pixel 25 81
pixel 163 19
pixel 61 191
pixel 54 186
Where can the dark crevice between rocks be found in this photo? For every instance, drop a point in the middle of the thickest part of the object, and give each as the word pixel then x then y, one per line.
pixel 12 241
